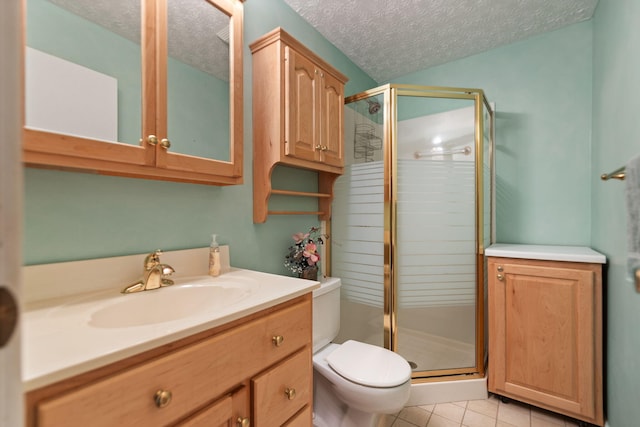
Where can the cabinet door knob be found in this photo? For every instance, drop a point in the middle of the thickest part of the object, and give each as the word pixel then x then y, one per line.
pixel 290 393
pixel 277 340
pixel 243 422
pixel 500 269
pixel 162 398
pixel 152 140
pixel 325 148
pixel 500 277
pixel 165 143
pixel 319 147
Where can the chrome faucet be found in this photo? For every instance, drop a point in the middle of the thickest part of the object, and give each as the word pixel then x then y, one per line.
pixel 153 276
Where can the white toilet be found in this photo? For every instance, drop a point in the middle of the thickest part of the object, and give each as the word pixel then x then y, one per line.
pixel 353 383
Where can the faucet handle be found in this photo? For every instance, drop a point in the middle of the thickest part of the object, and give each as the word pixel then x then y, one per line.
pixel 152 259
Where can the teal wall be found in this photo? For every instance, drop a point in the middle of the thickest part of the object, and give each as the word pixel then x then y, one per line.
pixel 70 216
pixel 616 139
pixel 542 91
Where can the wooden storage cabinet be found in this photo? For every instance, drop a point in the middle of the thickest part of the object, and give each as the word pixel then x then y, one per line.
pixel 314 100
pixel 206 380
pixel 155 157
pixel 545 335
pixel 298 117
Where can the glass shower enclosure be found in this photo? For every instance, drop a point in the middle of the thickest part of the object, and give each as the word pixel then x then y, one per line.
pixel 411 217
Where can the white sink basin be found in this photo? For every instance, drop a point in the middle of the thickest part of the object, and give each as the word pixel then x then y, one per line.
pixel 188 297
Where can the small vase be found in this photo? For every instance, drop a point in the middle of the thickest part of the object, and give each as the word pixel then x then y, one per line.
pixel 310 273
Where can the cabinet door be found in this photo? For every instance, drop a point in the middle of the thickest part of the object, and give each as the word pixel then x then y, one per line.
pixel 302 134
pixel 331 120
pixel 125 49
pixel 544 335
pixel 194 110
pixel 83 87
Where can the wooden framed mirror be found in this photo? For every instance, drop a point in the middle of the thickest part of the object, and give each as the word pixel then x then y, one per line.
pixel 145 88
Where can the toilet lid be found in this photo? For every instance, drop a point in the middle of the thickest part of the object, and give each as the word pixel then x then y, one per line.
pixel 369 365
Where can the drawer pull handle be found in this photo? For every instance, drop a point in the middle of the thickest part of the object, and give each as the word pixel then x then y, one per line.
pixel 162 398
pixel 243 422
pixel 500 277
pixel 277 340
pixel 290 393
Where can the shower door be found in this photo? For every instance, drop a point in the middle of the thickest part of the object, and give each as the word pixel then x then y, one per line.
pixel 411 217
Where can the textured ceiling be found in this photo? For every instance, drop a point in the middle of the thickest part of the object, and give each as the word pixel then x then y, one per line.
pixel 391 38
pixel 196 28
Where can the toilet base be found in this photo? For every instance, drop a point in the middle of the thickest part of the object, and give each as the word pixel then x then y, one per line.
pixel 351 419
pixel 329 411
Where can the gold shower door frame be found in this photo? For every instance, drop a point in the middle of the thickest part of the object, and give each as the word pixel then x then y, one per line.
pixel 391 93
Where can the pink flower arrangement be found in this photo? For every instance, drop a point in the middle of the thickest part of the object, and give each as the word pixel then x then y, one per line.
pixel 303 254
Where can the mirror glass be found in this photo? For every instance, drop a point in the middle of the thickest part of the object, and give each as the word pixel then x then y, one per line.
pixel 84 74
pixel 198 79
pixel 83 68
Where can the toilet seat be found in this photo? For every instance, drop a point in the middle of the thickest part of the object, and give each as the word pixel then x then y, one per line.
pixel 369 365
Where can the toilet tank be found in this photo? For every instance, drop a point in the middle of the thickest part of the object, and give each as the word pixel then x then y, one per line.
pixel 326 312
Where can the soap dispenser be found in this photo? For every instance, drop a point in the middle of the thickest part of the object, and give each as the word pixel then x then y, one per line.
pixel 214 257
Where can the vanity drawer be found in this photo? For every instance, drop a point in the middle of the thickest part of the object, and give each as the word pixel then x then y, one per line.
pixel 216 415
pixel 283 390
pixel 194 375
pixel 301 419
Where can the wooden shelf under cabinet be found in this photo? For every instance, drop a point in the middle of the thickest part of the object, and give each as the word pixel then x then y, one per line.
pixel 545 335
pixel 298 103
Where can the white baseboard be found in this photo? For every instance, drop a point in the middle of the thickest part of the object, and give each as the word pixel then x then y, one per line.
pixel 448 391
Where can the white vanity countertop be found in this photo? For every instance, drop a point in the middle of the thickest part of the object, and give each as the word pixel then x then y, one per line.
pixel 59 340
pixel 546 252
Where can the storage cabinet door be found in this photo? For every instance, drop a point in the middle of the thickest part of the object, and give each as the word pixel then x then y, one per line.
pixel 331 120
pixel 543 335
pixel 301 107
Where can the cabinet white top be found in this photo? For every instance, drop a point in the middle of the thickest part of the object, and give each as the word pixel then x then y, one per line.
pixel 62 336
pixel 546 252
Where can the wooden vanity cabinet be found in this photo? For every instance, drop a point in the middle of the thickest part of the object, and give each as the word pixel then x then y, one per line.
pixel 255 370
pixel 298 117
pixel 156 157
pixel 545 335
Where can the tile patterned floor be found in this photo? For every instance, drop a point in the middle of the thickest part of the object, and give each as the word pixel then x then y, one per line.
pixel 476 413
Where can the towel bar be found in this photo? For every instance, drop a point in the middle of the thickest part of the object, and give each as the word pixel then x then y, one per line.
pixel 616 174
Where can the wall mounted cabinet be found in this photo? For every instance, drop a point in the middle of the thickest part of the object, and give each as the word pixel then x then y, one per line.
pixel 545 334
pixel 182 136
pixel 298 102
pixel 254 371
